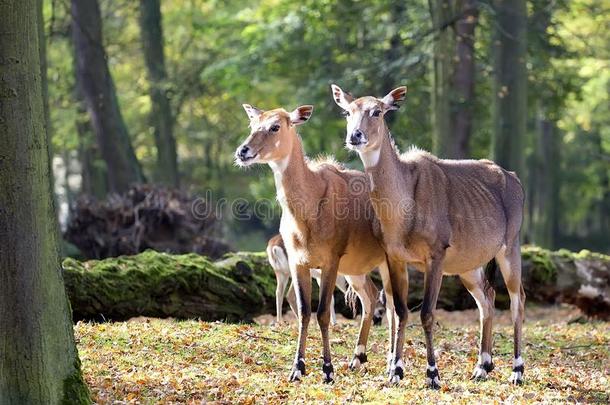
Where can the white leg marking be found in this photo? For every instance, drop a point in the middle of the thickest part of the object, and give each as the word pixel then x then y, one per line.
pixel 480 373
pixel 432 382
pixel 484 358
pixel 517 376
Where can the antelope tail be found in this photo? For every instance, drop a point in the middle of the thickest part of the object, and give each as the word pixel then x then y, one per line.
pixel 351 300
pixel 490 273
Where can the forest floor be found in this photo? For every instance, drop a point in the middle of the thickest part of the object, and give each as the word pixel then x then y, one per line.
pixel 167 361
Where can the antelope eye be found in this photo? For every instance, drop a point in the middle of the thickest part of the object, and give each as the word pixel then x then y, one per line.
pixel 345 113
pixel 275 128
pixel 376 113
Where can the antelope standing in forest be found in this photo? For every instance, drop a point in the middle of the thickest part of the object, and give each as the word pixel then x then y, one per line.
pixel 278 259
pixel 442 217
pixel 327 223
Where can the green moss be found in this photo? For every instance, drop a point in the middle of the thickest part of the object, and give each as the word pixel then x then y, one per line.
pixel 75 388
pixel 542 267
pixel 238 287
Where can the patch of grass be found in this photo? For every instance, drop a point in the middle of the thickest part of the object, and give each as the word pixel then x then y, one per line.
pixel 151 361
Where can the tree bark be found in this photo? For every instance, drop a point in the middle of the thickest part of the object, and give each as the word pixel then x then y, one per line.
pixel 441 12
pixel 242 285
pixel 94 173
pixel 100 96
pixel 510 84
pixel 388 83
pixel 464 77
pixel 161 113
pixel 545 190
pixel 39 363
pixel 453 76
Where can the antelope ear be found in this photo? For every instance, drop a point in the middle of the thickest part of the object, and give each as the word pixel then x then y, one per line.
pixel 252 112
pixel 342 98
pixel 392 99
pixel 301 114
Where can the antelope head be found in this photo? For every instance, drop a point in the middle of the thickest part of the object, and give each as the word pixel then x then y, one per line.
pixel 271 134
pixel 365 125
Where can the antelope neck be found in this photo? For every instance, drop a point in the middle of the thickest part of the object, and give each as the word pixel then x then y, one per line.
pixel 381 162
pixel 292 174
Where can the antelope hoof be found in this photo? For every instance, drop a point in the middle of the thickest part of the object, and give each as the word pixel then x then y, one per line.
pixel 328 373
pixel 482 371
pixel 298 371
pixel 357 361
pixel 516 377
pixel 396 372
pixel 432 378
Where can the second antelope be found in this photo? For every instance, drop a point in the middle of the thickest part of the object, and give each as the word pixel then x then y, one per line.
pixel 327 223
pixel 443 217
pixel 278 259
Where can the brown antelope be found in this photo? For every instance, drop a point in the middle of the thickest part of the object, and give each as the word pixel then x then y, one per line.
pixel 442 217
pixel 327 223
pixel 278 259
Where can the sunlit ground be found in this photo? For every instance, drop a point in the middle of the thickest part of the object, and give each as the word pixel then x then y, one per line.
pixel 168 361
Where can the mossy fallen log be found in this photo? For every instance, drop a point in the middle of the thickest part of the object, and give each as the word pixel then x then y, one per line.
pixel 164 285
pixel 242 285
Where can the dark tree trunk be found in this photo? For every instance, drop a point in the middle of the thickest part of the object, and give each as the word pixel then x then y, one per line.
pixel 392 54
pixel 94 173
pixel 161 114
pixel 39 362
pixel 94 178
pixel 464 77
pixel 441 12
pixel 510 84
pixel 100 96
pixel 545 187
pixel 453 75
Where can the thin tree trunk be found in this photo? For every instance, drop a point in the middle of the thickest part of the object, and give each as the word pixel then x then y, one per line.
pixel 442 12
pixel 392 54
pixel 39 362
pixel 453 75
pixel 510 84
pixel 464 77
pixel 100 96
pixel 94 178
pixel 94 172
pixel 161 114
pixel 545 179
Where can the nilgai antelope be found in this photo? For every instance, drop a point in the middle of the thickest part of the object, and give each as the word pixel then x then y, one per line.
pixel 327 223
pixel 278 259
pixel 443 217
